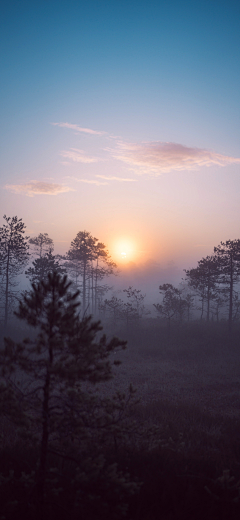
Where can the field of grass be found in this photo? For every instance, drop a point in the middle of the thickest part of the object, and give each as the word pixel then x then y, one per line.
pixel 185 449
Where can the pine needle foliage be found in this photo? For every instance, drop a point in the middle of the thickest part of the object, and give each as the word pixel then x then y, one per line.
pixel 52 377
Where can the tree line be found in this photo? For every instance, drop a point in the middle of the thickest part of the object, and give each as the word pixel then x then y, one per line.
pixel 210 288
pixel 215 284
pixel 87 263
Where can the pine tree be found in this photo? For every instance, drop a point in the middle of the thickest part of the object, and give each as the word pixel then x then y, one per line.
pixel 43 244
pixel 136 299
pixel 13 256
pixel 204 280
pixel 114 308
pixel 42 266
pixel 60 364
pixel 173 305
pixel 89 259
pixel 81 253
pixel 100 269
pixel 228 265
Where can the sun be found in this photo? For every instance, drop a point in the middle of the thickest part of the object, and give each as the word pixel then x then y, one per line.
pixel 124 249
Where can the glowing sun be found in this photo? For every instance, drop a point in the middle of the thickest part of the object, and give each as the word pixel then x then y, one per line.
pixel 124 249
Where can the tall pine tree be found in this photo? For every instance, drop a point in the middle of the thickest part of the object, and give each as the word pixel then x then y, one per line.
pixel 13 257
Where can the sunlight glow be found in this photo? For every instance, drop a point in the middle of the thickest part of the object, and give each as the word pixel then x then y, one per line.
pixel 124 249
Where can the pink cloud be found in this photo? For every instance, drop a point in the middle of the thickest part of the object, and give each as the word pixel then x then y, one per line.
pixel 157 157
pixel 77 155
pixel 92 181
pixel 78 128
pixel 38 188
pixel 87 181
pixel 119 179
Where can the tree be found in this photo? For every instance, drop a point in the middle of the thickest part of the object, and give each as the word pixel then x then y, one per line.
pixel 114 307
pixel 61 364
pixel 129 313
pixel 89 259
pixel 42 266
pixel 228 264
pixel 104 266
pixel 80 254
pixel 13 256
pixel 136 299
pixel 204 280
pixel 117 309
pixel 189 299
pixel 219 301
pixel 43 244
pixel 172 305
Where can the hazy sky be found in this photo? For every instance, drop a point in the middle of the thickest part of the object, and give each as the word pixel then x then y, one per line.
pixel 122 118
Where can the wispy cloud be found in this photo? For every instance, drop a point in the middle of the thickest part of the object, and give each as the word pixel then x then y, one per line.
pixel 92 181
pixel 78 128
pixel 38 188
pixel 87 181
pixel 158 157
pixel 119 179
pixel 77 155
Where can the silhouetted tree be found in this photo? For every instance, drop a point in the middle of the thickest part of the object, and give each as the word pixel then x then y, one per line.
pixel 129 313
pixel 204 280
pixel 13 256
pixel 80 255
pixel 42 266
pixel 189 304
pixel 228 264
pixel 220 301
pixel 136 299
pixel 89 259
pixel 114 308
pixel 60 365
pixel 42 244
pixel 102 267
pixel 173 305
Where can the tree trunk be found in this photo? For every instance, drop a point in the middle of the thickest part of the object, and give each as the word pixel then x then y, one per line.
pixel 230 296
pixel 208 303
pixel 7 289
pixel 96 282
pixel 84 285
pixel 41 478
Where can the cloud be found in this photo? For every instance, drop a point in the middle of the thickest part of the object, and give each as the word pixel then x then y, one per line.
pixel 120 179
pixel 77 155
pixel 158 157
pixel 87 181
pixel 78 128
pixel 38 188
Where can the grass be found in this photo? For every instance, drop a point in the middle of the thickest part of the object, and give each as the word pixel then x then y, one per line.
pixel 188 384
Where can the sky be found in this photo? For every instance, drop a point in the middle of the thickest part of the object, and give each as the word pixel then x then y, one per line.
pixel 122 118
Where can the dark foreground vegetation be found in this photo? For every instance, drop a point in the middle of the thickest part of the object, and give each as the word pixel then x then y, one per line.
pixel 92 430
pixel 91 448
